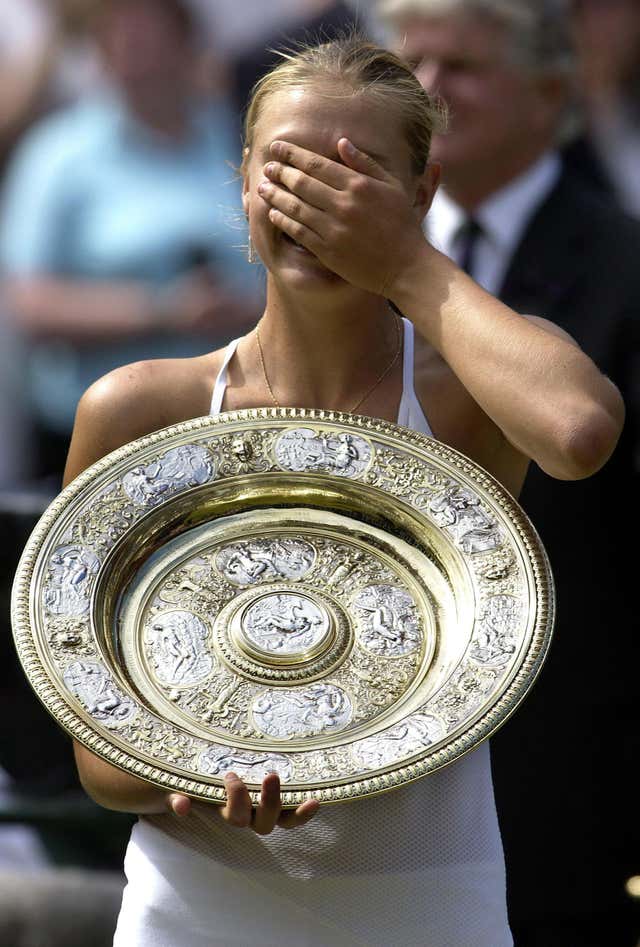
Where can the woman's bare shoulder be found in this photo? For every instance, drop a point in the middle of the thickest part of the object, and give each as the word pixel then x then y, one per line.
pixel 137 399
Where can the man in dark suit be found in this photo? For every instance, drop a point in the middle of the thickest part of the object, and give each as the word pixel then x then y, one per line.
pixel 525 228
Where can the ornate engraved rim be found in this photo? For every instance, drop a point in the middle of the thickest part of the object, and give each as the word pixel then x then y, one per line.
pixel 106 746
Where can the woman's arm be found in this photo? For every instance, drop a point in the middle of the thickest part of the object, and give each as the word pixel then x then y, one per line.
pixel 548 399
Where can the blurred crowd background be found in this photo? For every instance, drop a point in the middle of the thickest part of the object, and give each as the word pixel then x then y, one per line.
pixel 122 237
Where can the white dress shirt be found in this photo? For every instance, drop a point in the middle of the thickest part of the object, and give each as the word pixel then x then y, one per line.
pixel 503 219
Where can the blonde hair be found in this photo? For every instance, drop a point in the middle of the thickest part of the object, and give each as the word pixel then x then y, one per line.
pixel 359 67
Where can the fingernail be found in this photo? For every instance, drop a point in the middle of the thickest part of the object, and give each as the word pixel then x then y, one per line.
pixel 349 147
pixel 263 187
pixel 276 148
pixel 230 775
pixel 269 168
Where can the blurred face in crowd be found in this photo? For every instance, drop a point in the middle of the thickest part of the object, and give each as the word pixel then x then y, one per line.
pixel 502 116
pixel 146 49
pixel 607 35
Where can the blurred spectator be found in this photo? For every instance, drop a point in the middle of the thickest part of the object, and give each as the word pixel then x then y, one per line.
pixel 119 230
pixel 607 36
pixel 46 60
pixel 544 243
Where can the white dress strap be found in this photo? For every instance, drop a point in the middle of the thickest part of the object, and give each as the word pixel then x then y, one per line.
pixel 410 413
pixel 221 381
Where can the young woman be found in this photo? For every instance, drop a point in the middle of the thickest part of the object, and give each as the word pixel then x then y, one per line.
pixel 337 181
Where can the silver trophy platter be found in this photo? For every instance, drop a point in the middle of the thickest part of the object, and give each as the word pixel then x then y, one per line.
pixel 341 600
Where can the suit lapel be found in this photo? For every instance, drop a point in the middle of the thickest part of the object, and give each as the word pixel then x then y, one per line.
pixel 550 257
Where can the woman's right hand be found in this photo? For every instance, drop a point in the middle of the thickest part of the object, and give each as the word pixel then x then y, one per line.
pixel 240 812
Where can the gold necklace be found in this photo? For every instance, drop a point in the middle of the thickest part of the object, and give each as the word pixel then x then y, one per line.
pixel 368 392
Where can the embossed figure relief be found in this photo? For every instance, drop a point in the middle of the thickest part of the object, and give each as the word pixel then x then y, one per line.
pixel 70 580
pixel 177 470
pixel 177 643
pixel 263 560
pixel 390 622
pixel 346 455
pixel 92 684
pixel 285 623
pixel 401 741
pixel 318 708
pixel 496 637
pixel 459 511
pixel 252 767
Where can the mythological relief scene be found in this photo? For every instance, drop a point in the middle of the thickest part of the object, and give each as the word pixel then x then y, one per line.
pixel 243 615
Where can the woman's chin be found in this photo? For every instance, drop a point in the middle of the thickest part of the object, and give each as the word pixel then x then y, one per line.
pixel 302 269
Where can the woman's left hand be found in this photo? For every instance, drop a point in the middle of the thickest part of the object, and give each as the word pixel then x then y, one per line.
pixel 355 217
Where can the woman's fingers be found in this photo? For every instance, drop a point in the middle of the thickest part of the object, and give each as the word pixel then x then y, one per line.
pixel 266 815
pixel 361 161
pixel 237 811
pixel 316 166
pixel 291 206
pixel 264 818
pixel 300 816
pixel 332 173
pixel 308 238
pixel 313 192
pixel 178 804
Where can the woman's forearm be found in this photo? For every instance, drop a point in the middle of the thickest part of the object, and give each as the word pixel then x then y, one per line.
pixel 549 399
pixel 114 789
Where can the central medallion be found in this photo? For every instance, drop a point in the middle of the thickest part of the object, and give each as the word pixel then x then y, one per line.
pixel 284 625
pixel 283 634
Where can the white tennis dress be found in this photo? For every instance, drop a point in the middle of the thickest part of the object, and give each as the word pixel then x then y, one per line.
pixel 421 866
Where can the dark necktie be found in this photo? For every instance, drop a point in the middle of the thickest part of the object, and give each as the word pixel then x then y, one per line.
pixel 467 240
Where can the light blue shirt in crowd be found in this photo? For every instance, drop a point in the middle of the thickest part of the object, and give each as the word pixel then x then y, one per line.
pixel 93 194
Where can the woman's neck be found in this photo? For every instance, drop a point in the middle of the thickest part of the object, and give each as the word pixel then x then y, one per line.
pixel 326 351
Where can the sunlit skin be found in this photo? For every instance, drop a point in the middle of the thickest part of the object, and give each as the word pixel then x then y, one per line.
pixel 502 115
pixel 496 386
